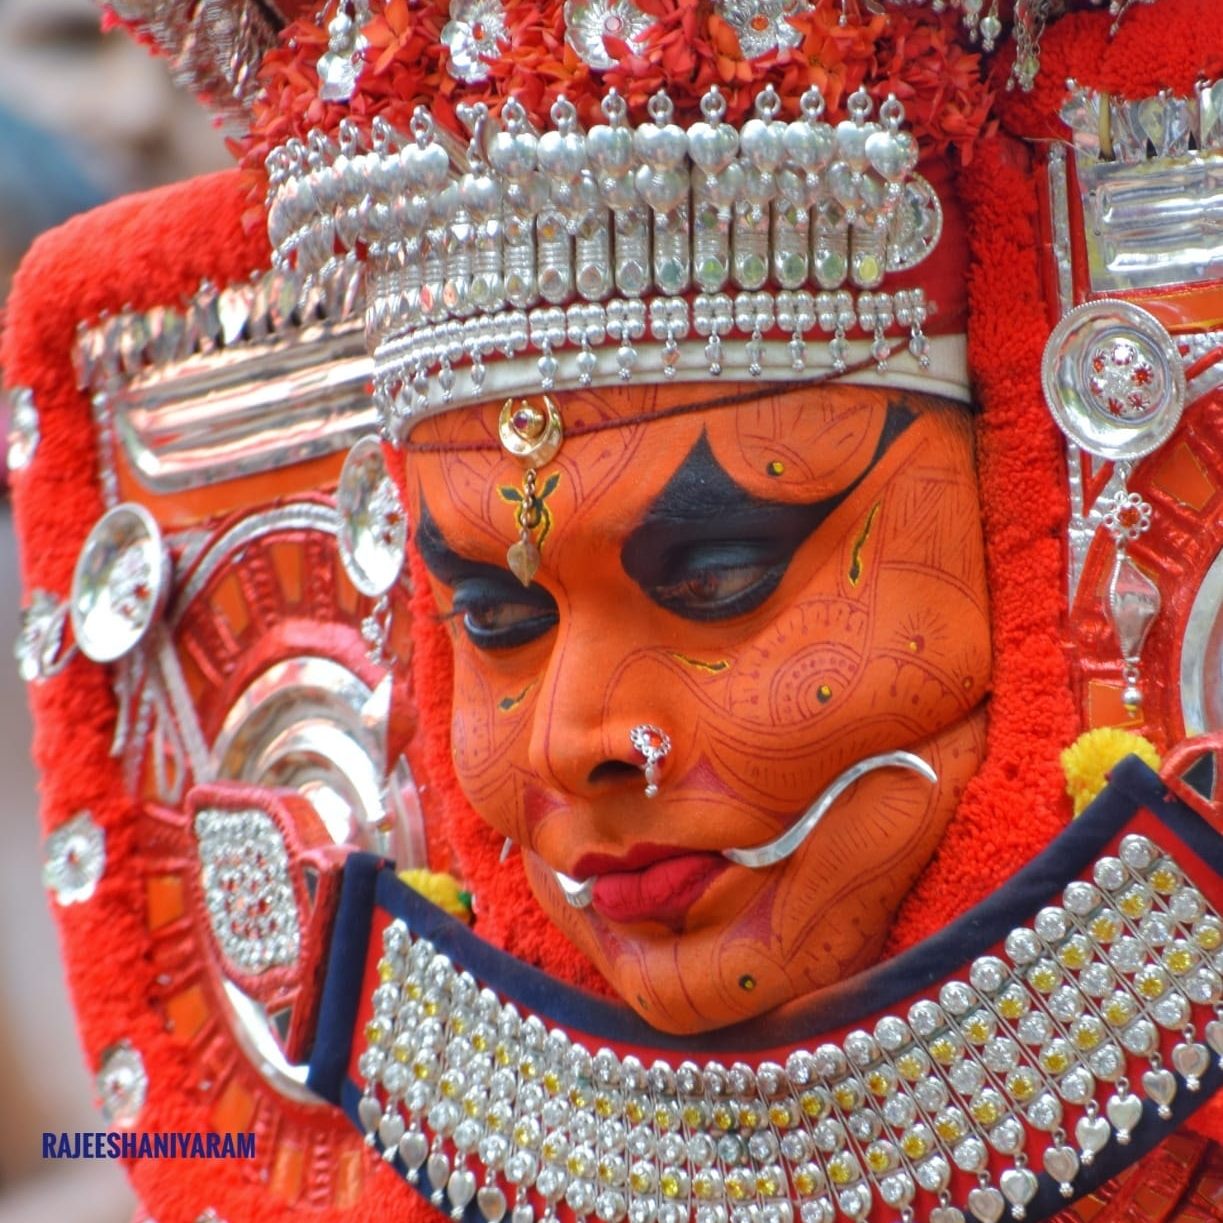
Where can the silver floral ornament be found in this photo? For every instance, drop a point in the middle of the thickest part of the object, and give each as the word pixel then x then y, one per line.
pixel 763 25
pixel 39 641
pixel 122 1085
pixel 588 21
pixel 339 67
pixel 74 859
pixel 473 36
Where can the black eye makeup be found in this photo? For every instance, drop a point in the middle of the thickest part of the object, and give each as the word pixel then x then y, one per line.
pixel 496 611
pixel 708 549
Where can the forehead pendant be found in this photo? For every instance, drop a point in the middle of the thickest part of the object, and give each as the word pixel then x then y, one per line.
pixel 532 433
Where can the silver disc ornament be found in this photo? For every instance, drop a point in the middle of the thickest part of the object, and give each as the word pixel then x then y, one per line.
pixel 1114 380
pixel 373 529
pixel 120 583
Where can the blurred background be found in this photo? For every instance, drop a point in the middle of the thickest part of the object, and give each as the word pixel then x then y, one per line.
pixel 83 118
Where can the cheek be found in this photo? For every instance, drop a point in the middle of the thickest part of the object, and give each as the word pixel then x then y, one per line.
pixel 489 732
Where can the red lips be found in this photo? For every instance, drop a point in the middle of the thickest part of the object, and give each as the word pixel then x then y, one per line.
pixel 650 882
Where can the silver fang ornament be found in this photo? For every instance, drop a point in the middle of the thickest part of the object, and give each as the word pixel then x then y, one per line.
pixel 783 846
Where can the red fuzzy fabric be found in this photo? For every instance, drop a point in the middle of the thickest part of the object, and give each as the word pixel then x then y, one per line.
pixel 149 250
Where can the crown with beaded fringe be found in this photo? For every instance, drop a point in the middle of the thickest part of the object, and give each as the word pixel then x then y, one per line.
pixel 585 191
pixel 654 251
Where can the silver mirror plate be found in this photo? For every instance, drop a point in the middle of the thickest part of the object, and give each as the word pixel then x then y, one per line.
pixel 1114 380
pixel 373 528
pixel 120 583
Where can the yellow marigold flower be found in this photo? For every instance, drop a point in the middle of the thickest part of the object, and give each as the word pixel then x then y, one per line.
pixel 445 891
pixel 1088 760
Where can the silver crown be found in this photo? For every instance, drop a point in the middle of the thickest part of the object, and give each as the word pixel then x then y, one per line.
pixel 614 253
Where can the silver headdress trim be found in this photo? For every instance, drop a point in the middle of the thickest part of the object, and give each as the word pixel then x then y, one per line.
pixel 650 252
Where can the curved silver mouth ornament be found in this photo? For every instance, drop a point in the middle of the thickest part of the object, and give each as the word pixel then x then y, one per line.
pixel 580 893
pixel 779 849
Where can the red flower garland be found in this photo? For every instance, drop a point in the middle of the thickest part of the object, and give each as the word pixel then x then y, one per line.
pixel 915 55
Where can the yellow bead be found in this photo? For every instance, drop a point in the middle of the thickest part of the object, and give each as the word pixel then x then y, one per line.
pixel 1044 978
pixel 878 1158
pixel 812 1105
pixel 694 1116
pixel 944 1050
pixel 781 1116
pixel 842 1170
pixel 670 1184
pixel 985 1109
pixel 914 1144
pixel 1178 959
pixel 1012 1006
pixel 551 1082
pixel 1152 985
pixel 723 1118
pixel 846 1095
pixel 639 1181
pixel 767 1184
pixel 878 1083
pixel 805 1182
pixel 386 971
pixel 634 1112
pixel 741 1184
pixel 604 1106
pixel 1087 1035
pixel 1119 1010
pixel 1105 928
pixel 1134 903
pixel 749 1119
pixel 949 1127
pixel 1208 938
pixel 1164 880
pixel 374 1032
pixel 1055 1060
pixel 1073 955
pixel 978 1029
pixel 1022 1085
pixel 911 1066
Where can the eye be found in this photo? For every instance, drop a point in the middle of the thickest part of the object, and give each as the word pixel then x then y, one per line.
pixel 720 580
pixel 499 615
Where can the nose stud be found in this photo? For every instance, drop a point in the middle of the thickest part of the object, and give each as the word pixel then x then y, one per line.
pixel 653 744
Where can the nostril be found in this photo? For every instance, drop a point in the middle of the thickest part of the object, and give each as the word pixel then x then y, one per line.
pixel 612 771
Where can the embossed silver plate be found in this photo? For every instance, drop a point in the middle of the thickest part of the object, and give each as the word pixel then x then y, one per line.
pixel 373 530
pixel 120 583
pixel 1114 380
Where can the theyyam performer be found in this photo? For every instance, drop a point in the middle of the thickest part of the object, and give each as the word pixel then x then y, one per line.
pixel 625 621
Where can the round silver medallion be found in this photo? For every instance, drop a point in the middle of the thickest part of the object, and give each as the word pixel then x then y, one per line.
pixel 74 859
pixel 373 528
pixel 120 583
pixel 1114 380
pixel 122 1084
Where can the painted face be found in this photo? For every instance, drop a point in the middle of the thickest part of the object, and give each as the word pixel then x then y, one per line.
pixel 785 584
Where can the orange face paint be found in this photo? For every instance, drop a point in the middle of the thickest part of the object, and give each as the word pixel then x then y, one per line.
pixel 785 587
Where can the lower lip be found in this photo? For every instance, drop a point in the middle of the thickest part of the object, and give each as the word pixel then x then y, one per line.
pixel 662 892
